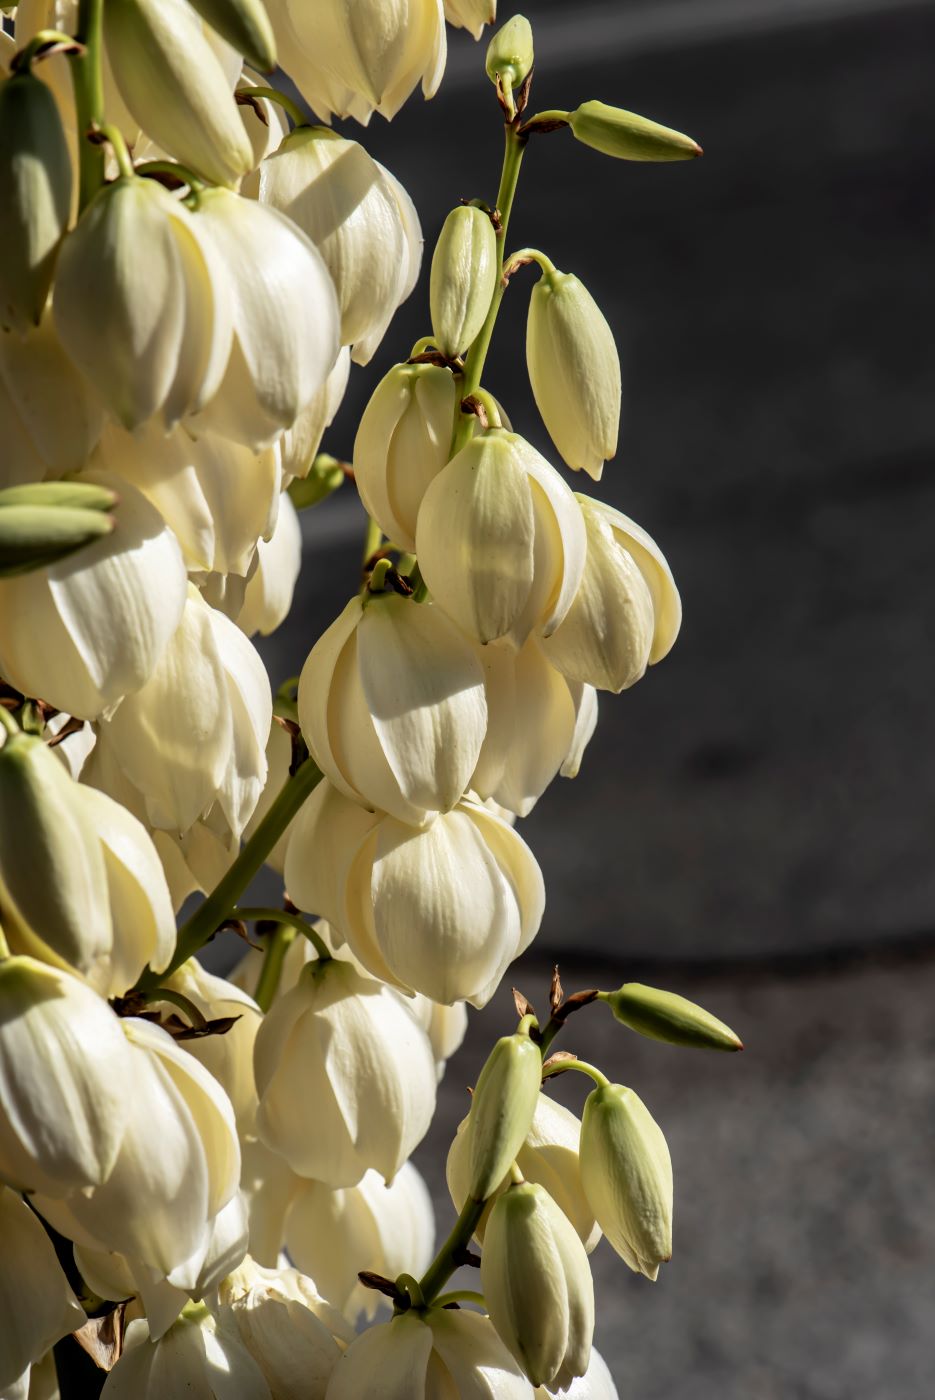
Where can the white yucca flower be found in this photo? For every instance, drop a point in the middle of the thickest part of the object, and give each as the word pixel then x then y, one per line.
pixel 442 911
pixel 196 733
pixel 172 81
pixel 64 1069
pixel 140 304
pixel 217 496
pixel 50 416
pixel 286 320
pixel 86 631
pixel 331 1234
pixel 198 1356
pixel 271 583
pixel 538 725
pixel 412 1356
pixel 626 612
pixel 80 881
pixel 501 539
pixel 176 1168
pixel 39 1307
pixel 392 706
pixel 402 444
pixel 339 196
pixel 345 1076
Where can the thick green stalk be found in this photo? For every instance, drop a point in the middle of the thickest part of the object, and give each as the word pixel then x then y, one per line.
pixel 209 916
pixel 449 1257
pixel 88 82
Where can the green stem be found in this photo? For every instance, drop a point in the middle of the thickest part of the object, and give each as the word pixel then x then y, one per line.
pixel 461 1295
pixel 274 95
pixel 209 915
pixel 581 1065
pixel 514 146
pixel 270 973
pixel 447 1259
pixel 88 82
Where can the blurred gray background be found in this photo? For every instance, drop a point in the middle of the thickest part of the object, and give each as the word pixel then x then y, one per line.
pixel 753 824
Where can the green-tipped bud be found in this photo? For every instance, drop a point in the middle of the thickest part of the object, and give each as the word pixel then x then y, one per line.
pixel 574 371
pixel 626 1172
pixel 510 55
pixel 537 1285
pixel 502 1111
pixel 35 197
pixel 628 136
pixel 33 536
pixel 245 25
pixel 666 1016
pixel 82 495
pixel 324 477
pixel 464 277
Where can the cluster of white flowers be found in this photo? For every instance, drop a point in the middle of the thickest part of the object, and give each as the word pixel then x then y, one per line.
pixel 189 268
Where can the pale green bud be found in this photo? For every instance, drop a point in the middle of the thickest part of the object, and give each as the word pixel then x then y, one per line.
pixel 35 197
pixel 510 55
pixel 574 371
pixel 666 1016
pixel 626 1172
pixel 464 277
pixel 245 25
pixel 502 1110
pixel 33 536
pixel 537 1285
pixel 628 136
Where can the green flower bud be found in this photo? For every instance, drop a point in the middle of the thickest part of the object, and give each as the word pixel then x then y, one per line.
pixel 628 136
pixel 464 277
pixel 626 1172
pixel 502 1110
pixel 35 197
pixel 666 1016
pixel 245 25
pixel 34 536
pixel 574 371
pixel 510 54
pixel 537 1285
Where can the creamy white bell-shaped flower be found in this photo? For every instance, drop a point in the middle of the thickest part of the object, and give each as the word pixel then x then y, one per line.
pixel 330 1234
pixel 464 277
pixel 86 631
pixel 377 51
pixel 501 539
pixel 548 1157
pixel 445 1027
pixel 50 416
pixel 337 194
pixel 402 444
pixel 271 585
pixel 471 15
pixel 626 612
pixel 177 1166
pixel 596 1384
pixel 64 1068
pixel 443 1352
pixel 38 1305
pixel 197 731
pixel 574 371
pixel 172 81
pixel 533 726
pixel 217 496
pixel 537 1285
pixel 285 314
pixel 441 911
pixel 300 443
pixel 136 264
pixel 392 706
pixel 199 1358
pixel 229 1057
pixel 294 1335
pixel 345 1076
pixel 626 1172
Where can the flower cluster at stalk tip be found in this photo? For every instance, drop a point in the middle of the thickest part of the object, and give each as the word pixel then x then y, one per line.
pixel 207 1180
